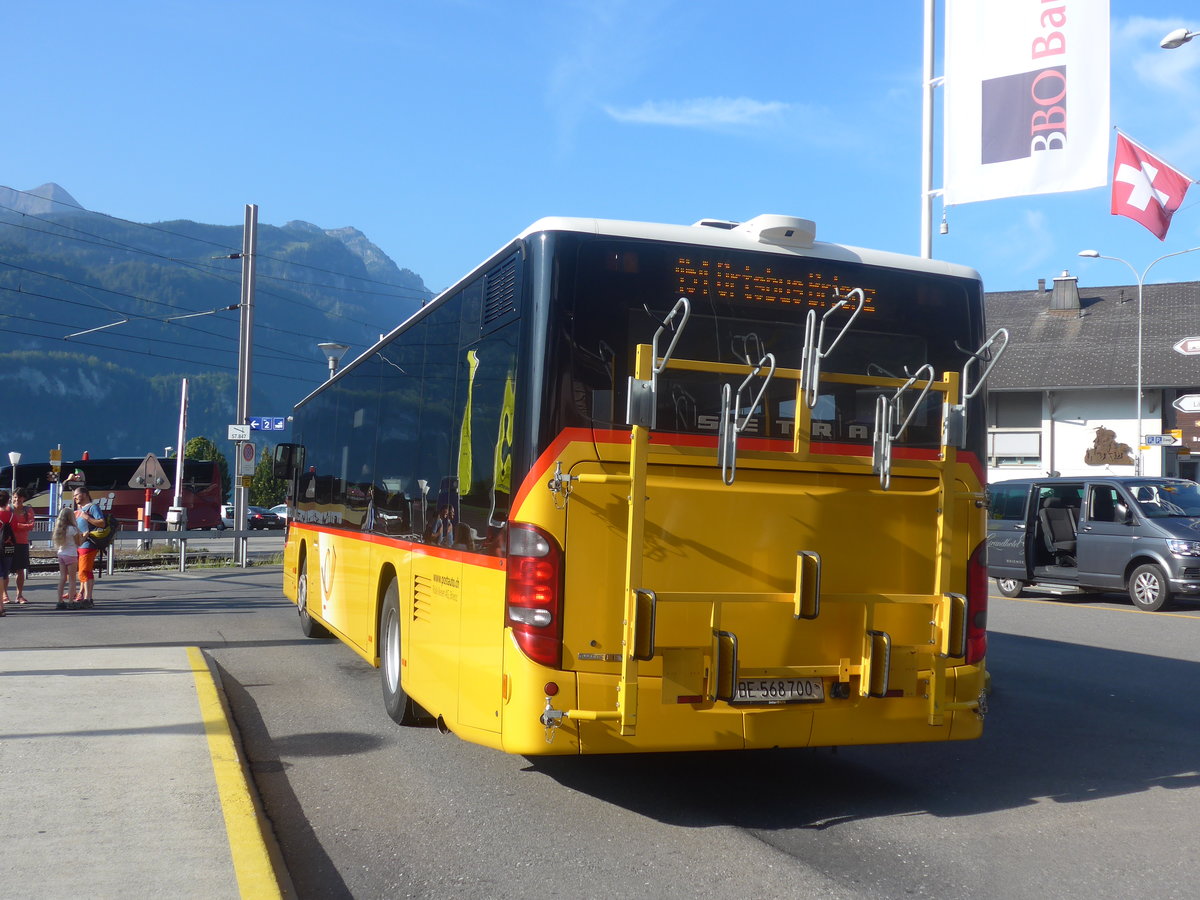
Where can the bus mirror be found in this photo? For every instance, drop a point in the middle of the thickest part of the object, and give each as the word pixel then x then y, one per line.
pixel 288 461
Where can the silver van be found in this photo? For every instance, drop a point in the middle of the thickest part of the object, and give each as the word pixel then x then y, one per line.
pixel 1140 535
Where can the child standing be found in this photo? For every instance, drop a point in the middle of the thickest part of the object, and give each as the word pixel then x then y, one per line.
pixel 65 537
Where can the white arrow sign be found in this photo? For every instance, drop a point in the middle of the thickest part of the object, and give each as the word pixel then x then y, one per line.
pixel 1189 403
pixel 1189 346
pixel 1161 440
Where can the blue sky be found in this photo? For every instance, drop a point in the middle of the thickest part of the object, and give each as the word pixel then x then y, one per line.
pixel 441 129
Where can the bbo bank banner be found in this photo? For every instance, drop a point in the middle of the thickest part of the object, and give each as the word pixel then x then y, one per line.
pixel 1026 103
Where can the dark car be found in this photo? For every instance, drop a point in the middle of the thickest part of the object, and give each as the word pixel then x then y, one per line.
pixel 1102 533
pixel 257 517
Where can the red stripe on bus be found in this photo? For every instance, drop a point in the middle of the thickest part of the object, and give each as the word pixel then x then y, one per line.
pixel 465 556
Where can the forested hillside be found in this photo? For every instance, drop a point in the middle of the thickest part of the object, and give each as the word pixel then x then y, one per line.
pixel 115 391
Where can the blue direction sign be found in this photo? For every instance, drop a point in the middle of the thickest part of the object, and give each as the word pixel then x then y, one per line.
pixel 267 423
pixel 1162 440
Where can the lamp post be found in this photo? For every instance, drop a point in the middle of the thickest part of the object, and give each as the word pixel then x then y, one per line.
pixel 1141 280
pixel 334 353
pixel 1177 38
pixel 14 457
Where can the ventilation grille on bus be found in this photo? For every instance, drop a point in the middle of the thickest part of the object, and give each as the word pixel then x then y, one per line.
pixel 500 291
pixel 424 599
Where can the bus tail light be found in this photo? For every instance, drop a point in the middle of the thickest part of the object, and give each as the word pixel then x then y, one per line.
pixel 977 604
pixel 533 593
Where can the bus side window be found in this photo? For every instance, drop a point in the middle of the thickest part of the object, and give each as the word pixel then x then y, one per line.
pixel 398 507
pixel 485 429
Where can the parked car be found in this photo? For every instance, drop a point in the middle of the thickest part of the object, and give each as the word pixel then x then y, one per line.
pixel 258 517
pixel 1101 533
pixel 282 511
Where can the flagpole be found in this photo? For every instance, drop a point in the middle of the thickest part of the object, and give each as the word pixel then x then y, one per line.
pixel 927 135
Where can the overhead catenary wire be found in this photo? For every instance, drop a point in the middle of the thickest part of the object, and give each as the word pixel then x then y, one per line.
pixel 291 376
pixel 95 287
pixel 282 353
pixel 275 353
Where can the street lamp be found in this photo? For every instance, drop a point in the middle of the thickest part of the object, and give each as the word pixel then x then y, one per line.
pixel 334 353
pixel 1141 279
pixel 1177 38
pixel 14 457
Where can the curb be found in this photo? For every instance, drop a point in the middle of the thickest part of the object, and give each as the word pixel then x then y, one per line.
pixel 257 861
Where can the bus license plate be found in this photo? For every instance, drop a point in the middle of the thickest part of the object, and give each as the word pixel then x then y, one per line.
pixel 779 690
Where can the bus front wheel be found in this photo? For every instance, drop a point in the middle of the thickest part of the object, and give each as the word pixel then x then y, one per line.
pixel 308 625
pixel 400 706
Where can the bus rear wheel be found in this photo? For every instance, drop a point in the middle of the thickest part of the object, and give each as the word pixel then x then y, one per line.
pixel 308 625
pixel 400 706
pixel 1010 587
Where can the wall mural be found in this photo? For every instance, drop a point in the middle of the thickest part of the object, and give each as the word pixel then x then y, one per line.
pixel 1107 451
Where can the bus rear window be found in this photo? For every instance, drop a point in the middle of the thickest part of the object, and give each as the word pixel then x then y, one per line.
pixel 745 305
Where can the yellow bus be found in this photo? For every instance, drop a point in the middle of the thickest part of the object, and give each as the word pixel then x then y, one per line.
pixel 631 487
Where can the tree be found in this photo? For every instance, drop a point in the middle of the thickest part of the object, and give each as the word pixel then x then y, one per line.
pixel 203 448
pixel 265 489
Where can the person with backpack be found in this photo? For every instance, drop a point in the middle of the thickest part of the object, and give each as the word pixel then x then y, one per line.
pixel 89 516
pixel 8 547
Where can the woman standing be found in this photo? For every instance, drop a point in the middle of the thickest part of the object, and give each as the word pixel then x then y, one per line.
pixel 65 537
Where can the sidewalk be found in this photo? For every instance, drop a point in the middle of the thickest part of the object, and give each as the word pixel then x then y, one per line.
pixel 119 778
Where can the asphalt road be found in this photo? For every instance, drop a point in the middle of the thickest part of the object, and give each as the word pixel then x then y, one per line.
pixel 1085 784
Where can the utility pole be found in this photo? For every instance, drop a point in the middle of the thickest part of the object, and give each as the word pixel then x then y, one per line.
pixel 245 358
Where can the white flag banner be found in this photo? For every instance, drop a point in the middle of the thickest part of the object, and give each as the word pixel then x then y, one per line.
pixel 1026 104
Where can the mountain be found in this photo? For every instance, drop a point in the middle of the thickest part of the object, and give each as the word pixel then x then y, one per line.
pixel 44 200
pixel 102 318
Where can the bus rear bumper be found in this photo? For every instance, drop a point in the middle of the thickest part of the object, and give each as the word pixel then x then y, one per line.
pixel 716 725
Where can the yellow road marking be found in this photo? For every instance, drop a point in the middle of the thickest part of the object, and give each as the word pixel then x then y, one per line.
pixel 251 859
pixel 1118 609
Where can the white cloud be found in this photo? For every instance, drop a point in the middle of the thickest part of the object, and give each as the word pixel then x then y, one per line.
pixel 702 112
pixel 1137 39
pixel 604 47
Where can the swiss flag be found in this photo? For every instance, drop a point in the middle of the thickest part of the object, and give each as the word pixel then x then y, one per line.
pixel 1145 188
